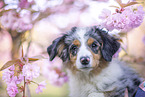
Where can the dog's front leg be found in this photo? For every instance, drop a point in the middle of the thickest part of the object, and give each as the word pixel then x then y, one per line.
pixel 94 94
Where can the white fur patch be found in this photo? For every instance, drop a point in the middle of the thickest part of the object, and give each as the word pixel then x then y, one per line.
pixel 83 50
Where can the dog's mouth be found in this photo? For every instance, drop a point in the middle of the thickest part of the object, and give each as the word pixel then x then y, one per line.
pixel 86 68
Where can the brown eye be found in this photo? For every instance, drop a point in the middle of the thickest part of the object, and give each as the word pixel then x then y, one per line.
pixel 73 50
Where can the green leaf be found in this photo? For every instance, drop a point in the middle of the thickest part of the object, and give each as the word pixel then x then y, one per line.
pixel 33 59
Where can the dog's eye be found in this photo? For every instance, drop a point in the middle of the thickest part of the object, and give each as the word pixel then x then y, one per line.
pixel 74 50
pixel 94 45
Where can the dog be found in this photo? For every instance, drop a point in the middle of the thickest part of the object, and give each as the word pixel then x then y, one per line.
pixel 87 53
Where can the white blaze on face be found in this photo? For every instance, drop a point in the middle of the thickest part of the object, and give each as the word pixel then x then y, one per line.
pixel 83 50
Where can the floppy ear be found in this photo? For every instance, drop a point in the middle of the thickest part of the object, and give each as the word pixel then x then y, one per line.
pixel 109 47
pixel 58 47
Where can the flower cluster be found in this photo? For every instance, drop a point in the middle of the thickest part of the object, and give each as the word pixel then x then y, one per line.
pixel 41 85
pixel 123 19
pixel 1 4
pixel 25 3
pixel 21 72
pixel 31 71
pixel 53 71
pixel 14 21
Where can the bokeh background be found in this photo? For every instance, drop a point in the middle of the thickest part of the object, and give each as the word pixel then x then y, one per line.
pixel 50 19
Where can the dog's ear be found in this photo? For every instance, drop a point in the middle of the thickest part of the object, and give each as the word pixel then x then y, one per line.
pixel 58 47
pixel 110 45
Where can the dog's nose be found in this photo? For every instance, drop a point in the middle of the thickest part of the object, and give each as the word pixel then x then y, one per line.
pixel 85 60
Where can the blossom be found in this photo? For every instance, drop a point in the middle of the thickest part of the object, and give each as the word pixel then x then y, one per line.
pixel 1 4
pixel 137 17
pixel 15 21
pixel 57 79
pixel 8 74
pixel 123 19
pixel 31 71
pixel 8 19
pixel 24 4
pixel 12 89
pixel 20 78
pixel 53 71
pixel 41 85
pixel 105 13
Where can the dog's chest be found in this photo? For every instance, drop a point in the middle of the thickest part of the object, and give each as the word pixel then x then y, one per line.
pixel 81 88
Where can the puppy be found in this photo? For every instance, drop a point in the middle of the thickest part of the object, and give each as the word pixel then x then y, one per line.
pixel 87 56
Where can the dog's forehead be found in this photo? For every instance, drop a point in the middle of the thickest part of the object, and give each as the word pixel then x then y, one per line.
pixel 82 34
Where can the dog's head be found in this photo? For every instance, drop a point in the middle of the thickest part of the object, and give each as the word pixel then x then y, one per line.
pixel 84 48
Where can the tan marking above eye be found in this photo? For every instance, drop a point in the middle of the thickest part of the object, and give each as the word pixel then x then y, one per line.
pixel 90 41
pixel 76 42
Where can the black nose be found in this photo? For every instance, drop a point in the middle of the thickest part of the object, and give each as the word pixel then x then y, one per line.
pixel 85 60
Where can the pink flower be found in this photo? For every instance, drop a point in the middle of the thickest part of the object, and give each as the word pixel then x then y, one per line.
pixel 1 4
pixel 8 19
pixel 24 4
pixel 20 78
pixel 12 89
pixel 57 79
pixel 25 21
pixel 53 71
pixel 40 87
pixel 137 17
pixel 31 71
pixel 15 21
pixel 105 13
pixel 8 74
pixel 123 20
pixel 11 68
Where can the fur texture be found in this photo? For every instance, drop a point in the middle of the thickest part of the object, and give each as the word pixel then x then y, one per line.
pixel 87 56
